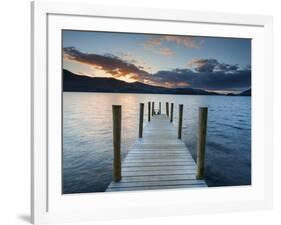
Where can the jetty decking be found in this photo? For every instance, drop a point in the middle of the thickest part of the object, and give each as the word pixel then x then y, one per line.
pixel 158 160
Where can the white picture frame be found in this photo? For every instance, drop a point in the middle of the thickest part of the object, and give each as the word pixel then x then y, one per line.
pixel 48 205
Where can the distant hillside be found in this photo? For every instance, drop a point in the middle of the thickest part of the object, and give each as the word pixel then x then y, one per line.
pixel 73 82
pixel 246 93
pixel 78 83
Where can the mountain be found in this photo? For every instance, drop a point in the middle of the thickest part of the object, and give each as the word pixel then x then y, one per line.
pixel 74 82
pixel 246 93
pixel 78 83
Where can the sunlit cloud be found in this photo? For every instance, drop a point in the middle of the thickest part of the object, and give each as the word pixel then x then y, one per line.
pixel 158 49
pixel 157 44
pixel 110 64
pixel 185 41
pixel 166 51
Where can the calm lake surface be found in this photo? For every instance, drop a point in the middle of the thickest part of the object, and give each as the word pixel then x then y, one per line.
pixel 87 136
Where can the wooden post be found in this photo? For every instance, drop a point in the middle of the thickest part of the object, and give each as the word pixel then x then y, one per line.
pixel 159 112
pixel 172 112
pixel 153 112
pixel 141 120
pixel 149 109
pixel 180 121
pixel 202 130
pixel 116 117
pixel 167 108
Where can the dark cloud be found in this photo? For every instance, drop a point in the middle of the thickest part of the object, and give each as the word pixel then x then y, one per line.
pixel 227 67
pixel 109 63
pixel 205 73
pixel 219 80
pixel 204 65
pixel 211 65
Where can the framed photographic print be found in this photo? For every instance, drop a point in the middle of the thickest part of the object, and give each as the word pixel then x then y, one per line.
pixel 146 112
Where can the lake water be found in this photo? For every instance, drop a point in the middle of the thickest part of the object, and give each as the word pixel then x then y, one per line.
pixel 87 136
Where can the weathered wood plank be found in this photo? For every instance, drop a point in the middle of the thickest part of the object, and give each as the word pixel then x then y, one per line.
pixel 140 159
pixel 158 156
pixel 158 178
pixel 163 157
pixel 154 183
pixel 156 160
pixel 158 172
pixel 157 187
pixel 149 164
pixel 157 168
pixel 158 152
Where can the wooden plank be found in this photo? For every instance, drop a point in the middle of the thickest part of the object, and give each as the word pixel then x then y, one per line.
pixel 158 178
pixel 154 183
pixel 166 146
pixel 161 168
pixel 159 147
pixel 158 172
pixel 155 159
pixel 155 156
pixel 159 152
pixel 137 164
pixel 146 161
pixel 175 144
pixel 128 159
pixel 157 187
pixel 163 157
pixel 158 160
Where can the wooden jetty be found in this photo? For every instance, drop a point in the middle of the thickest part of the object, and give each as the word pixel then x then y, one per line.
pixel 159 159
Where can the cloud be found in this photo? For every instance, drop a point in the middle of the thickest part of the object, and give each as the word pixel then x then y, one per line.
pixel 108 63
pixel 129 58
pixel 227 67
pixel 186 41
pixel 156 43
pixel 158 49
pixel 211 65
pixel 203 65
pixel 218 80
pixel 203 74
pixel 162 50
pixel 166 51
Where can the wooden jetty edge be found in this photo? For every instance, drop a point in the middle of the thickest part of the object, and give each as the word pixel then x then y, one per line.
pixel 159 159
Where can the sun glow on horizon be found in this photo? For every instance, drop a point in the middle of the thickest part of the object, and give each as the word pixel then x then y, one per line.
pixel 126 78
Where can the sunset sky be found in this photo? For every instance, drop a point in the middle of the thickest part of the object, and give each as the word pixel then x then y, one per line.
pixel 216 64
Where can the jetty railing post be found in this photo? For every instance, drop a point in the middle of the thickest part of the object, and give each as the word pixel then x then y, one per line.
pixel 149 111
pixel 116 118
pixel 172 112
pixel 159 112
pixel 153 112
pixel 203 116
pixel 167 108
pixel 180 121
pixel 141 120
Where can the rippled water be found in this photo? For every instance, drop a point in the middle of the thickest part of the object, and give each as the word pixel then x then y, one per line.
pixel 87 136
